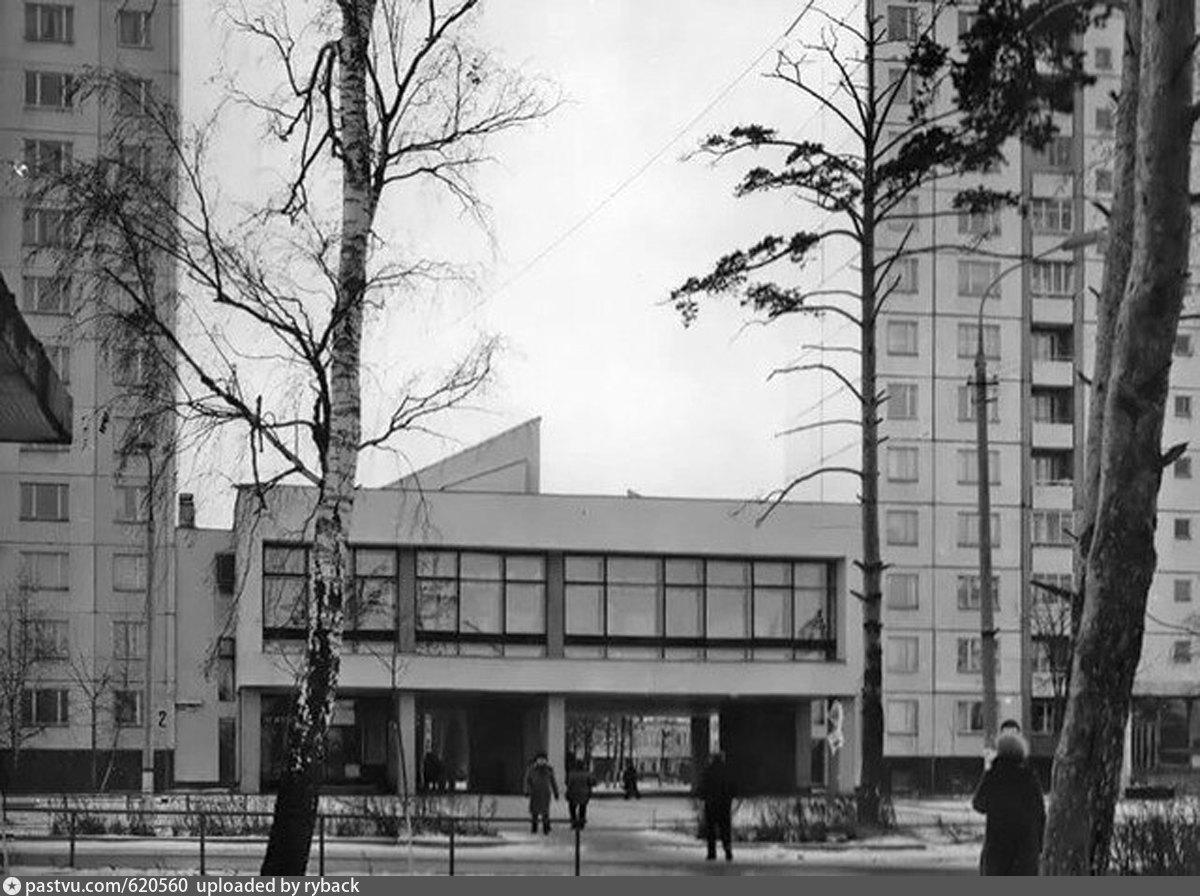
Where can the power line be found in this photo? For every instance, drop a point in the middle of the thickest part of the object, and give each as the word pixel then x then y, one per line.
pixel 662 151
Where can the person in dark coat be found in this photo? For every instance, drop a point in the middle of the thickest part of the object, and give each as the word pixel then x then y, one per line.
pixel 629 781
pixel 579 790
pixel 431 772
pixel 716 789
pixel 540 784
pixel 1010 795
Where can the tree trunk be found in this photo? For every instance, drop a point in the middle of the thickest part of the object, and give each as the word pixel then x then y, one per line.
pixel 296 804
pixel 1112 290
pixel 1121 562
pixel 871 784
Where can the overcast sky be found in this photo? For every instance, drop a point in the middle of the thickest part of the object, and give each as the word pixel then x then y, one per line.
pixel 629 399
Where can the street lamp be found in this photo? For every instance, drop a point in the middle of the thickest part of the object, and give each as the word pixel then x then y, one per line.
pixel 987 621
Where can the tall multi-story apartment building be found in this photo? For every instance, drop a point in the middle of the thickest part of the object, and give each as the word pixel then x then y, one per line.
pixel 80 526
pixel 1038 334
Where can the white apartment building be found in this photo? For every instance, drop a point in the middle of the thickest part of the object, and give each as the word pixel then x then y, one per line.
pixel 73 524
pixel 1039 331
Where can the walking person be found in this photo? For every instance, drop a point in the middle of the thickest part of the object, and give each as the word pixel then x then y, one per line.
pixel 539 786
pixel 629 781
pixel 1010 795
pixel 716 790
pixel 579 790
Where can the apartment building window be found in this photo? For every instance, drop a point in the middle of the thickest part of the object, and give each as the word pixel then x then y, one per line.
pixel 968 529
pixel 1183 591
pixel 1048 215
pixel 129 572
pixel 1063 581
pixel 968 716
pixel 968 592
pixel 46 570
pixel 1104 59
pixel 285 590
pixel 44 228
pixel 900 83
pixel 1104 119
pixel 966 21
pixel 1181 652
pixel 902 337
pixel 1183 345
pixel 47 158
pixel 1053 405
pixel 970 655
pixel 45 501
pixel 50 638
pixel 1057 153
pixel 129 639
pixel 902 590
pixel 902 401
pixel 903 276
pixel 1053 467
pixel 44 295
pixel 1052 278
pixel 59 356
pixel 902 527
pixel 132 503
pixel 135 160
pixel 902 718
pixel 49 90
pixel 1104 180
pixel 905 216
pixel 1052 344
pixel 1044 715
pixel 133 28
pixel 902 22
pixel 968 466
pixel 1183 406
pixel 982 224
pixel 968 340
pixel 371 610
pixel 976 276
pixel 51 23
pixel 1183 468
pixel 967 401
pixel 134 96
pixel 226 680
pixel 44 707
pixel 1183 528
pixel 1051 654
pixel 902 654
pixel 132 366
pixel 475 603
pixel 127 708
pixel 903 464
pixel 1052 527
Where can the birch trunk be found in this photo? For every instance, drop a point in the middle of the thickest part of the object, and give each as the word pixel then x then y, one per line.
pixel 329 577
pixel 1121 560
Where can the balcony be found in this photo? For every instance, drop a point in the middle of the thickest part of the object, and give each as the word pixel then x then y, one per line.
pixel 1053 310
pixel 1054 373
pixel 1053 435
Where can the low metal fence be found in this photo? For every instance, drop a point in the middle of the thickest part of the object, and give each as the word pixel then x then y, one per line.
pixel 73 825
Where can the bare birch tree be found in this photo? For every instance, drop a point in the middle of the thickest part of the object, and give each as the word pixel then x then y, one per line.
pixel 378 95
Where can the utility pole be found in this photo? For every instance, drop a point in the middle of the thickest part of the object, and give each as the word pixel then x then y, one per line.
pixel 148 685
pixel 987 619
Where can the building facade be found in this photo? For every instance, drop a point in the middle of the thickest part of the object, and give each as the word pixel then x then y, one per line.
pixel 79 545
pixel 1038 335
pixel 484 622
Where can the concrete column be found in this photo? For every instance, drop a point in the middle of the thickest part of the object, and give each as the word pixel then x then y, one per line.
pixel 406 725
pixel 406 599
pixel 804 744
pixel 1127 755
pixel 556 736
pixel 250 728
